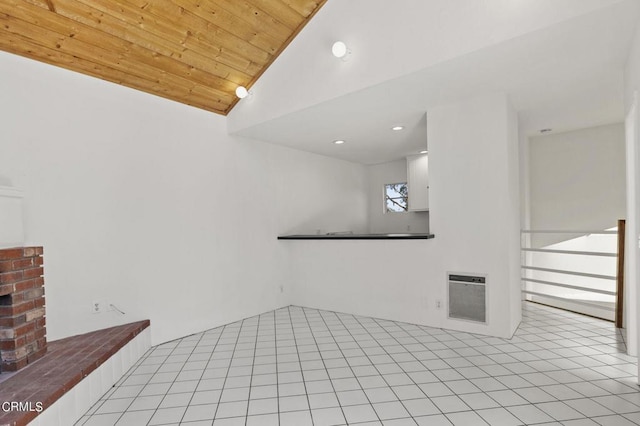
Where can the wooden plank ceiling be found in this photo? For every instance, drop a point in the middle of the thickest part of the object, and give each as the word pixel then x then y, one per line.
pixel 191 51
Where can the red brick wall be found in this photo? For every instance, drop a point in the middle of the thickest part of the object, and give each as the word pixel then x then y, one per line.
pixel 22 319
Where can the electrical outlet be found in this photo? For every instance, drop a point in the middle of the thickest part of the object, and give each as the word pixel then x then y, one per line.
pixel 98 307
pixel 438 304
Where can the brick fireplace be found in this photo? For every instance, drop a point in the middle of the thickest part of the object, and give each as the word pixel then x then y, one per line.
pixel 22 313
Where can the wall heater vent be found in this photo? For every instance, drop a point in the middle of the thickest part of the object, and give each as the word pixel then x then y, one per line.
pixel 467 297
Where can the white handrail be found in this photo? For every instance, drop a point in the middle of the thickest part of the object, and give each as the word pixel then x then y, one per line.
pixel 531 281
pixel 577 302
pixel 562 271
pixel 573 287
pixel 589 253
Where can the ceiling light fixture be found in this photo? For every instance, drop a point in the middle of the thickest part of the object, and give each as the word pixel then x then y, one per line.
pixel 397 128
pixel 424 152
pixel 242 92
pixel 340 50
pixel 338 142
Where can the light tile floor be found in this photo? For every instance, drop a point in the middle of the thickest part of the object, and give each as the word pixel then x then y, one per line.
pixel 297 366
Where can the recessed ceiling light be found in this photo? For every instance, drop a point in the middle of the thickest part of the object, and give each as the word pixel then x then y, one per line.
pixel 424 152
pixel 338 142
pixel 397 128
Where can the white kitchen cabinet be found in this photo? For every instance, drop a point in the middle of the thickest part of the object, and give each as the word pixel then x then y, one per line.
pixel 418 182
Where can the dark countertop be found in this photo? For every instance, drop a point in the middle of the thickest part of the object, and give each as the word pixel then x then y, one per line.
pixel 399 236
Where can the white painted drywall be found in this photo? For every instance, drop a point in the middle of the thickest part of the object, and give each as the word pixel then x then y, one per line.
pixel 474 214
pixel 632 88
pixel 632 232
pixel 317 194
pixel 381 222
pixel 421 34
pixel 632 70
pixel 514 221
pixel 391 279
pixel 474 200
pixel 11 227
pixel 149 204
pixel 577 180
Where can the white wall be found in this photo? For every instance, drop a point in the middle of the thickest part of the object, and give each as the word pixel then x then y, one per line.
pixel 632 122
pixel 474 214
pixel 306 73
pixel 317 194
pixel 632 70
pixel 11 227
pixel 515 220
pixel 149 205
pixel 474 199
pixel 577 180
pixel 385 223
pixel 391 279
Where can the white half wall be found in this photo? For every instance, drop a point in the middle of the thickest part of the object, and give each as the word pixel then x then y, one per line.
pixel 391 279
pixel 398 222
pixel 149 205
pixel 577 181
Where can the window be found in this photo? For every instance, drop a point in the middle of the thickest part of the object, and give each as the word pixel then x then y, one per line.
pixel 396 197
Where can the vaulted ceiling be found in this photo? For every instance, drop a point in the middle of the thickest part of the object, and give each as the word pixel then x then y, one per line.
pixel 192 51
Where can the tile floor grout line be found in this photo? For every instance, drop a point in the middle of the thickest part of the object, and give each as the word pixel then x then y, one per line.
pixel 128 375
pixel 253 364
pixel 295 341
pixel 228 368
pixel 179 371
pixel 350 367
pixel 400 367
pixel 304 312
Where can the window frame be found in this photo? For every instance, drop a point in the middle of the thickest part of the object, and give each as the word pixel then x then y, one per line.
pixel 386 197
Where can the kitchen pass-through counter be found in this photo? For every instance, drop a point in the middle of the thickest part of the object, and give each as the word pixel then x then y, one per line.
pixel 349 236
